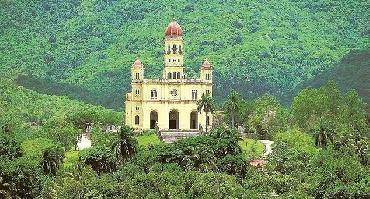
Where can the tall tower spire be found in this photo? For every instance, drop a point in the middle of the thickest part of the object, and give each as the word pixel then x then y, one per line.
pixel 174 48
pixel 173 52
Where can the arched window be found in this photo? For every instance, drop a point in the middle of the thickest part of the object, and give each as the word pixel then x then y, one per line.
pixel 180 49
pixel 153 94
pixel 137 120
pixel 137 75
pixel 178 75
pixel 174 49
pixel 174 75
pixel 169 75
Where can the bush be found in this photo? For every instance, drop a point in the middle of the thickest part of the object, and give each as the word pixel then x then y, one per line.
pixel 101 159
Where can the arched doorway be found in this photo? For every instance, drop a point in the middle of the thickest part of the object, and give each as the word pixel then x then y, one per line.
pixel 173 119
pixel 194 120
pixel 153 119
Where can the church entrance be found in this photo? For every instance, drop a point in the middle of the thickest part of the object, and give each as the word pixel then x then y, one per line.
pixel 174 119
pixel 153 119
pixel 194 120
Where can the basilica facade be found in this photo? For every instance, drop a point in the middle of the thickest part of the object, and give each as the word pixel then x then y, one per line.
pixel 170 102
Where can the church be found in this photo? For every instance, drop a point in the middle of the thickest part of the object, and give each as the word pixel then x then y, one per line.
pixel 170 102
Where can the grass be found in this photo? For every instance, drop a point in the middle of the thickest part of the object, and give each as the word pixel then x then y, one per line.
pixel 35 147
pixel 147 139
pixel 251 148
pixel 70 159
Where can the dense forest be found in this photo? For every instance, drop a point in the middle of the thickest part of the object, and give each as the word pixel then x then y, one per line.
pixel 65 65
pixel 256 47
pixel 320 150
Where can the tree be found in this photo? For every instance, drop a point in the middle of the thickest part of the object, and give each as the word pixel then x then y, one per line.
pixel 101 159
pixel 51 159
pixel 84 119
pixel 126 145
pixel 264 120
pixel 19 178
pixel 232 106
pixel 323 136
pixel 206 103
pixel 9 148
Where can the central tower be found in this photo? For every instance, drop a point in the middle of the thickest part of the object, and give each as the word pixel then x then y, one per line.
pixel 173 52
pixel 169 104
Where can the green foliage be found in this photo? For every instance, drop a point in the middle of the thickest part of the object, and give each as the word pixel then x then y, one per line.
pixel 148 139
pixel 206 104
pixel 101 159
pixel 350 73
pixel 232 106
pixel 70 160
pixel 52 158
pixel 260 47
pixel 251 148
pixel 326 109
pixel 340 175
pixel 203 152
pixel 101 138
pixel 126 146
pixel 19 178
pixel 9 148
pixel 61 131
pixel 36 147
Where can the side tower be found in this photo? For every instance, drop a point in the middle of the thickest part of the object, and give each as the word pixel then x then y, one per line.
pixel 174 52
pixel 206 78
pixel 134 112
pixel 206 71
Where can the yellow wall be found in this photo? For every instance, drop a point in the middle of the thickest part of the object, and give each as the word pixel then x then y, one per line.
pixel 165 102
pixel 141 104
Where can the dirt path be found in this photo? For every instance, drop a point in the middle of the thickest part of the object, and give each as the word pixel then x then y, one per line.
pixel 84 142
pixel 268 148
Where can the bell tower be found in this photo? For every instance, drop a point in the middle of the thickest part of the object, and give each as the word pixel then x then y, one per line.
pixel 206 71
pixel 173 52
pixel 137 71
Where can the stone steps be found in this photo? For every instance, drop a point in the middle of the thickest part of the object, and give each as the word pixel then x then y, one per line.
pixel 172 136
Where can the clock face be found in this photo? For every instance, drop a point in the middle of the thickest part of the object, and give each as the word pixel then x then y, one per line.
pixel 173 92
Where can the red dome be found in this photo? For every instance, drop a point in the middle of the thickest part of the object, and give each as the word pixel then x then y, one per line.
pixel 173 29
pixel 137 62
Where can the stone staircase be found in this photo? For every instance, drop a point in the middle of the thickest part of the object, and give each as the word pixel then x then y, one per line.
pixel 83 142
pixel 170 136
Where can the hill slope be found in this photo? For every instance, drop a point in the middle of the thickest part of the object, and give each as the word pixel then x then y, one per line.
pixel 353 72
pixel 255 46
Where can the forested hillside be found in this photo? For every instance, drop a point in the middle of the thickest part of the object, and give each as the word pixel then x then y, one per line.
pixel 40 115
pixel 353 72
pixel 256 46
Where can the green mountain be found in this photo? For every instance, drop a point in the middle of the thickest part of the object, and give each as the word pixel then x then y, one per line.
pixel 256 46
pixel 353 72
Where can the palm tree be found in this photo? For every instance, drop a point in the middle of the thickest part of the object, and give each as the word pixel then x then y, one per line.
pixel 323 137
pixel 232 106
pixel 206 104
pixel 126 145
pixel 51 160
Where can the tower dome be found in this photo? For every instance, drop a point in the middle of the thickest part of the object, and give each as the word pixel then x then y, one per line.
pixel 173 29
pixel 206 64
pixel 138 62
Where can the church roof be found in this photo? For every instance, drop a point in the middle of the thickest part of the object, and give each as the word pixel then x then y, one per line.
pixel 173 29
pixel 206 64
